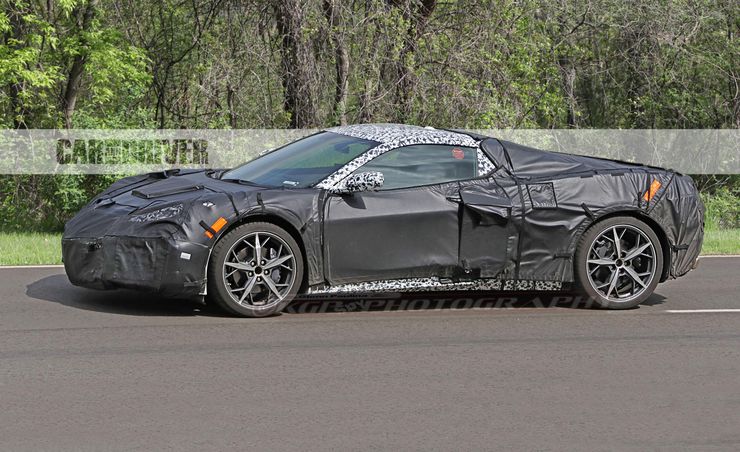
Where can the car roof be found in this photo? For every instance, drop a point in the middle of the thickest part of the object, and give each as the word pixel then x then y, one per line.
pixel 394 133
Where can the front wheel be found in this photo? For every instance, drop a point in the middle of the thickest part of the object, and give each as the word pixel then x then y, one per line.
pixel 619 262
pixel 255 270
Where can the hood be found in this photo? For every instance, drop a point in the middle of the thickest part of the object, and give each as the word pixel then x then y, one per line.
pixel 148 190
pixel 177 202
pixel 181 191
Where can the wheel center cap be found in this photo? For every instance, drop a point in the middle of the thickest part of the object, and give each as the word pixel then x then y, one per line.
pixel 620 262
pixel 258 270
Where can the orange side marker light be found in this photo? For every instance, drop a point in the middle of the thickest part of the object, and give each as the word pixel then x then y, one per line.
pixel 650 193
pixel 216 226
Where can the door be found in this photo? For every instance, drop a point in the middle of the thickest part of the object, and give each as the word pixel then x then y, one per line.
pixel 488 233
pixel 410 227
pixel 392 234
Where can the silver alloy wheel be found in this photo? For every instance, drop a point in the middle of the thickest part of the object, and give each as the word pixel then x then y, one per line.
pixel 259 270
pixel 621 263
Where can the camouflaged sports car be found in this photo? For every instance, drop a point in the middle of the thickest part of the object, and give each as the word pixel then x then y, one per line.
pixel 390 208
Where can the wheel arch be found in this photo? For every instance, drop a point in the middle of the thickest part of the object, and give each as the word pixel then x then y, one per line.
pixel 640 215
pixel 272 218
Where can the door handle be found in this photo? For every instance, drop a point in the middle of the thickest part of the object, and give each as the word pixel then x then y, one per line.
pixel 454 198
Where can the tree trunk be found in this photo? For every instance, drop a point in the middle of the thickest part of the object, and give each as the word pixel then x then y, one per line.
pixel 298 64
pixel 74 79
pixel 370 69
pixel 567 68
pixel 230 103
pixel 334 18
pixel 17 108
pixel 72 89
pixel 733 23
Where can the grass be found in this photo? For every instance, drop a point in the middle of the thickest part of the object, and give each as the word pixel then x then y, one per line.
pixel 31 248
pixel 721 241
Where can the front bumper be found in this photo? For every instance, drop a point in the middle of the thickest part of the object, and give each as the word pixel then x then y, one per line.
pixel 162 265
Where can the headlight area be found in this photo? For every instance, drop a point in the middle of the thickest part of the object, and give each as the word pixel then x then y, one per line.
pixel 162 213
pixel 197 221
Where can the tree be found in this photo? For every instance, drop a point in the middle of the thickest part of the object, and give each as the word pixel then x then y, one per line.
pixel 335 18
pixel 298 63
pixel 79 51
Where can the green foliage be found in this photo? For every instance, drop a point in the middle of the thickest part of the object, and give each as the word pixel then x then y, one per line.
pixel 462 63
pixel 116 69
pixel 41 42
pixel 723 209
pixel 469 63
pixel 46 202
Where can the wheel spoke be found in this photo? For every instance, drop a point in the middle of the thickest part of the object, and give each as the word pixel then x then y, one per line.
pixel 257 247
pixel 239 266
pixel 609 281
pixel 277 261
pixel 601 261
pixel 613 282
pixel 633 274
pixel 271 285
pixel 247 289
pixel 617 245
pixel 633 253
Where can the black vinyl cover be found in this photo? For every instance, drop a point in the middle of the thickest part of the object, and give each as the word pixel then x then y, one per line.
pixel 523 222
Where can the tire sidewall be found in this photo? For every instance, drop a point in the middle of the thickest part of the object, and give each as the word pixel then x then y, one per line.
pixel 217 290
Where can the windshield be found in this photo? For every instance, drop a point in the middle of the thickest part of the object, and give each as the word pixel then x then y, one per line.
pixel 302 163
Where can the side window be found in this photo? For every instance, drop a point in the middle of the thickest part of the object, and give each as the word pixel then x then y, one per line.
pixel 424 164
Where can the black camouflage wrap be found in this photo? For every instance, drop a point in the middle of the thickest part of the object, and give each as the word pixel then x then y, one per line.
pixel 516 227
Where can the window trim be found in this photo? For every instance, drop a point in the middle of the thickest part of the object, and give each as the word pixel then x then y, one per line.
pixel 480 153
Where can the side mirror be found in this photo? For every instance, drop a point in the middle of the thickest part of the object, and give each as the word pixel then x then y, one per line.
pixel 369 181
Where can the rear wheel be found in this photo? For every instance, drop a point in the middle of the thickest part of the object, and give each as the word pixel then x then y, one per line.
pixel 619 262
pixel 255 270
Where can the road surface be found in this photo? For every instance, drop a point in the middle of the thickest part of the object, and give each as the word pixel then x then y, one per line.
pixel 87 370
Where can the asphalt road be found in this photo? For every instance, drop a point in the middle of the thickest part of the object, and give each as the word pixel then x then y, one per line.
pixel 86 370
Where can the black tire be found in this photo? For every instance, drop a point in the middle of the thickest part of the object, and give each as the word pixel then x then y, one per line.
pixel 636 275
pixel 270 288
